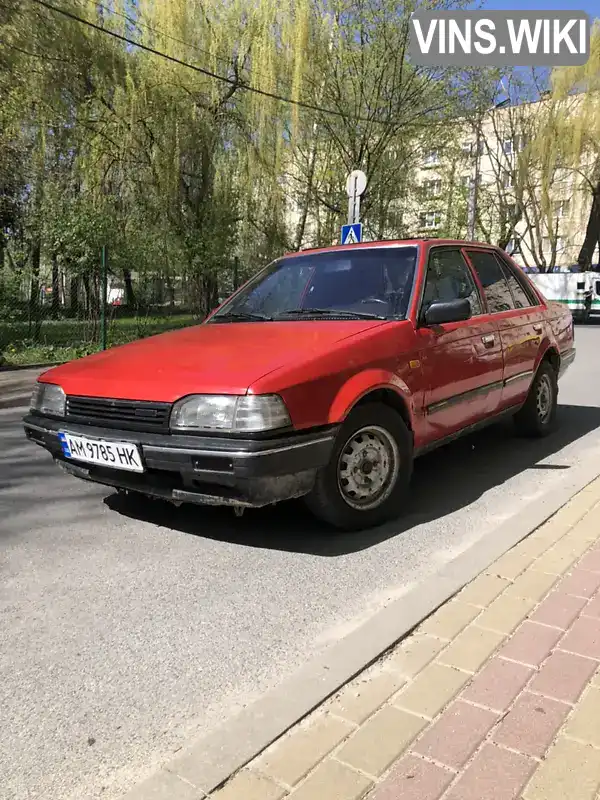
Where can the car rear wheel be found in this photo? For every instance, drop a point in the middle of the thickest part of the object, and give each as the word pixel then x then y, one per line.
pixel 368 474
pixel 538 416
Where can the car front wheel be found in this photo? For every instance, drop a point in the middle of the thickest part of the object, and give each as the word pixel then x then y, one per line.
pixel 537 417
pixel 368 474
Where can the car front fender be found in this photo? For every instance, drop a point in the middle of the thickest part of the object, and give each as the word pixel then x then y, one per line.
pixel 367 382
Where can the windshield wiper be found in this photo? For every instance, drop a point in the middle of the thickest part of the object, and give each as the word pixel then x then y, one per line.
pixel 241 317
pixel 327 312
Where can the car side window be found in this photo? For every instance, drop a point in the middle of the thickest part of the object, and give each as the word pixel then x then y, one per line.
pixel 492 277
pixel 523 294
pixel 449 278
pixel 518 293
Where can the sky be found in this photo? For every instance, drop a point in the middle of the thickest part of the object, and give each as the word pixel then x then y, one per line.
pixel 592 7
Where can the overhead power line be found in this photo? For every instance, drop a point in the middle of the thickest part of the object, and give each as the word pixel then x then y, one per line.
pixel 209 73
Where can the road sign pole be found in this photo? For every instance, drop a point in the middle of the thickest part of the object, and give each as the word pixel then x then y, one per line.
pixel 355 186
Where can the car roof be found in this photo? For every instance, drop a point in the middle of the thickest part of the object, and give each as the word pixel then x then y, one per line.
pixel 390 243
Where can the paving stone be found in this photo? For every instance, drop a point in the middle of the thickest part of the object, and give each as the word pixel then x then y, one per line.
pixel 591 560
pixel 164 786
pixel 449 620
pixel 497 685
pixel 581 583
pixel 333 781
pixel 531 643
pixel 456 734
pixel 415 653
pixel 587 527
pixel 471 648
pixel 413 779
pixel 360 699
pixel 531 724
pixel 558 609
pixel 512 564
pixel 431 690
pixel 563 676
pixel 592 609
pixel 531 585
pixel 494 774
pixel 556 561
pixel 505 613
pixel 289 760
pixel 381 740
pixel 583 638
pixel 483 590
pixel 247 785
pixel 566 518
pixel 584 723
pixel 570 771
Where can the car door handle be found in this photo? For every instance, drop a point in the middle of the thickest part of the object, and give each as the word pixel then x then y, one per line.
pixel 489 340
pixel 538 328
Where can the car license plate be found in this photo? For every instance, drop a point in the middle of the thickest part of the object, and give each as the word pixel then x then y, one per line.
pixel 119 455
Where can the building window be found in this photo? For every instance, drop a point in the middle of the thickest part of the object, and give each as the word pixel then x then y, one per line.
pixel 512 209
pixel 430 219
pixel 561 208
pixel 514 145
pixel 431 158
pixel 465 181
pixel 433 188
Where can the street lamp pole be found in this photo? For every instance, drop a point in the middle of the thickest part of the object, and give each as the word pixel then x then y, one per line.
pixel 474 187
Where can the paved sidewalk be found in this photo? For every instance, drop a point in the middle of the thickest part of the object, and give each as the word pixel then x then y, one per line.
pixel 496 695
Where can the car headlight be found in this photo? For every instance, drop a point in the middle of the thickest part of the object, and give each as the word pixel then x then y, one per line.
pixel 250 413
pixel 48 398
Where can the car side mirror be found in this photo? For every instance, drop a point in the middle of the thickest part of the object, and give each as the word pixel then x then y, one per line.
pixel 452 311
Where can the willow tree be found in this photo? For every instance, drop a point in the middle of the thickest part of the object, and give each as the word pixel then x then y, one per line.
pixel 571 138
pixel 375 105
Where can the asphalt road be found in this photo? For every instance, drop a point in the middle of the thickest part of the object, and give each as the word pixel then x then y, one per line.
pixel 126 628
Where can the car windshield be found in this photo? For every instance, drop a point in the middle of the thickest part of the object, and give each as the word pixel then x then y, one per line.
pixel 373 282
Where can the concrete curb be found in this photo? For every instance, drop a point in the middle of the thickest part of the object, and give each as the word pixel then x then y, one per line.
pixel 209 762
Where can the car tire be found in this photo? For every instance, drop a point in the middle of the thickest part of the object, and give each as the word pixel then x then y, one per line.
pixel 373 441
pixel 537 417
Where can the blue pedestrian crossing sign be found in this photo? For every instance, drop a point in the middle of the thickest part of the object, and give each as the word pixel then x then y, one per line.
pixel 352 234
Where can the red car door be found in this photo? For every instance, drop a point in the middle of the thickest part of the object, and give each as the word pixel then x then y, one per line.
pixel 520 319
pixel 461 361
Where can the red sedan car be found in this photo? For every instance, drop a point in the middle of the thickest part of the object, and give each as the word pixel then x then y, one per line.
pixel 323 377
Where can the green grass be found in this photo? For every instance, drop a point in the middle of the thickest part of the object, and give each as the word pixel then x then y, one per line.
pixel 64 340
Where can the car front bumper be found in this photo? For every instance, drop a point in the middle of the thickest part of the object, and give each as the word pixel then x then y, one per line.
pixel 199 469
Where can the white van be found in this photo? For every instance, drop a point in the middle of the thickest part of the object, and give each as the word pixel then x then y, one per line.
pixel 580 291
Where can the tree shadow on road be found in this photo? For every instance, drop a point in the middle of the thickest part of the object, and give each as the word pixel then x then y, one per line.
pixel 445 481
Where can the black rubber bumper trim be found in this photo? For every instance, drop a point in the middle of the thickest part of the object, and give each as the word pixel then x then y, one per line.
pixel 219 460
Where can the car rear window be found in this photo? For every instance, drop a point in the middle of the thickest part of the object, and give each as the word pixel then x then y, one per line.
pixel 493 280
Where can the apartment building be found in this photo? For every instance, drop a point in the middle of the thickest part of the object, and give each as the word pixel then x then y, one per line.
pixel 494 170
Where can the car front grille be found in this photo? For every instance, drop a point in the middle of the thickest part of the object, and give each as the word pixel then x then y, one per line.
pixel 133 415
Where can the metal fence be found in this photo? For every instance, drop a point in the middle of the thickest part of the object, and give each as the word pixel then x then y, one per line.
pixel 53 315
